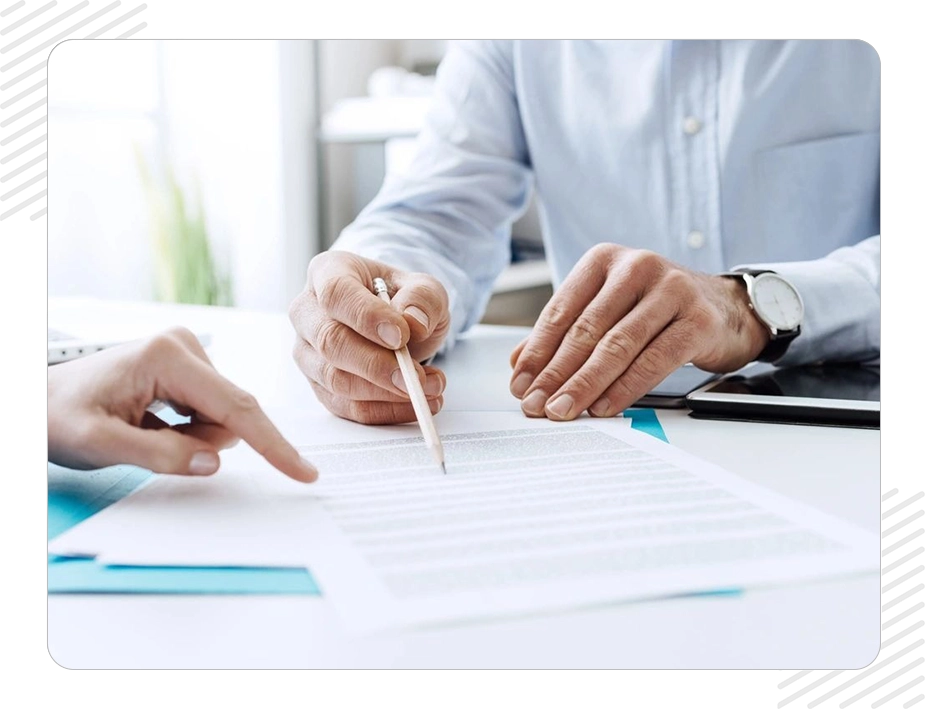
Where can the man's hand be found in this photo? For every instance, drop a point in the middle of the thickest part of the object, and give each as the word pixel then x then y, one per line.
pixel 97 412
pixel 346 336
pixel 620 323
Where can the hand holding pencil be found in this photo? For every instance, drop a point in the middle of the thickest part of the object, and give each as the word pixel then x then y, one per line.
pixel 347 336
pixel 415 390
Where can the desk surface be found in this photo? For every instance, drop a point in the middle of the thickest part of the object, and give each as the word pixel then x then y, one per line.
pixel 827 624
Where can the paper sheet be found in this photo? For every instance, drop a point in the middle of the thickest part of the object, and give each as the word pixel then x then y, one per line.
pixel 554 516
pixel 532 516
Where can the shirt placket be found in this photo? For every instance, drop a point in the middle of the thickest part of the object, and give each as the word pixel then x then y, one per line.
pixel 692 137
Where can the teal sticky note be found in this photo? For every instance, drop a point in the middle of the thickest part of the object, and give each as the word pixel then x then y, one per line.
pixel 75 495
pixel 646 421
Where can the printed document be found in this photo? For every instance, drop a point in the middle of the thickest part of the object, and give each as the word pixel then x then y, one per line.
pixel 531 516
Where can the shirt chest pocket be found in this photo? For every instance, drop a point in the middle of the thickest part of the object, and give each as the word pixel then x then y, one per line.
pixel 816 196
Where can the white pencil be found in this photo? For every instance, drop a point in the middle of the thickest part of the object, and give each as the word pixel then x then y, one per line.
pixel 415 390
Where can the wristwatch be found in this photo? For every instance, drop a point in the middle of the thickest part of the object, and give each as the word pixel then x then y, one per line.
pixel 777 305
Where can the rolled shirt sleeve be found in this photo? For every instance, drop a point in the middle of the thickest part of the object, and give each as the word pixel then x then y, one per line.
pixel 469 181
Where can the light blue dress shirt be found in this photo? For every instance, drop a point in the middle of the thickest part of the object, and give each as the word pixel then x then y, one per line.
pixel 715 154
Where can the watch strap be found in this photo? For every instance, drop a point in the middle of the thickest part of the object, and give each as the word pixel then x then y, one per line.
pixel 777 346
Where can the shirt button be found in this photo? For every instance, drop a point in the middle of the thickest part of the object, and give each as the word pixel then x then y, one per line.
pixel 691 125
pixel 696 239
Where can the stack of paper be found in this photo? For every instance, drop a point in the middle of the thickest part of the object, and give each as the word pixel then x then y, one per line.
pixel 532 516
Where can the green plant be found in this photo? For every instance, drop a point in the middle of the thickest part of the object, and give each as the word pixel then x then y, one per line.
pixel 185 269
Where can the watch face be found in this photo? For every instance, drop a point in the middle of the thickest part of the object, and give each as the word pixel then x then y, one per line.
pixel 777 301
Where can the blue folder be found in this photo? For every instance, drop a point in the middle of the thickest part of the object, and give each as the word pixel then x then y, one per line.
pixel 74 495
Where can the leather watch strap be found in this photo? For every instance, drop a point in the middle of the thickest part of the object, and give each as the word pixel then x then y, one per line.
pixel 776 347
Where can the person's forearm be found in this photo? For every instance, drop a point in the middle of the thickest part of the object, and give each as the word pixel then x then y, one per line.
pixel 450 216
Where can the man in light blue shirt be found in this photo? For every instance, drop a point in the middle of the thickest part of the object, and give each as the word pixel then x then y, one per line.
pixel 658 166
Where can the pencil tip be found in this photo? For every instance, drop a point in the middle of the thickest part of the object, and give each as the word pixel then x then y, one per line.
pixel 443 465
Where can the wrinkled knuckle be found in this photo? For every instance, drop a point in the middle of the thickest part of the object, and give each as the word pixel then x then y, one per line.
pixel 584 334
pixel 161 346
pixel 646 264
pixel 430 287
pixel 583 382
pixel 379 369
pixel 602 252
pixel 329 338
pixel 331 292
pixel 554 375
pixel 297 307
pixel 677 283
pixel 182 335
pixel 622 391
pixel 243 401
pixel 618 346
pixel 359 411
pixel 319 261
pixel 556 316
pixel 648 370
pixel 332 378
pixel 528 362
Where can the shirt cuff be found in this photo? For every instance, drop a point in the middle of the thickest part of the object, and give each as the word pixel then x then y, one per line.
pixel 841 319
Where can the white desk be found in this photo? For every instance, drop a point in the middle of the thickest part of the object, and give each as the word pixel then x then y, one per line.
pixel 820 625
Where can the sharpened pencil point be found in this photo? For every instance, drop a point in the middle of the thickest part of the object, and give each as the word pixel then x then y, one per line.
pixel 443 465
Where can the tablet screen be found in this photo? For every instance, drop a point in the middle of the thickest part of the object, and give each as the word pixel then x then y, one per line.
pixel 847 382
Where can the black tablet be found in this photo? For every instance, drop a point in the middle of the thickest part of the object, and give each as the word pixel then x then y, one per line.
pixel 831 394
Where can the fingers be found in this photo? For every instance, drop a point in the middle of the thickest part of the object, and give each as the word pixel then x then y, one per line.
pixel 186 379
pixel 574 380
pixel 216 436
pixel 576 292
pixel 601 350
pixel 372 412
pixel 330 348
pixel 342 286
pixel 351 397
pixel 346 333
pixel 515 354
pixel 160 450
pixel 424 303
pixel 668 351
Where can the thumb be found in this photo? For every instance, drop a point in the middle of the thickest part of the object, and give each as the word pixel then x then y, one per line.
pixel 423 301
pixel 161 451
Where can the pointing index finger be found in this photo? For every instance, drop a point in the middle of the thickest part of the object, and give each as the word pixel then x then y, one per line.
pixel 189 380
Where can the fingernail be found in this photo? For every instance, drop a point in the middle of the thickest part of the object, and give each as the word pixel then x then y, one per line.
pixel 433 386
pixel 600 407
pixel 435 405
pixel 203 463
pixel 311 472
pixel 419 315
pixel 533 405
pixel 521 383
pixel 398 380
pixel 390 335
pixel 561 406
